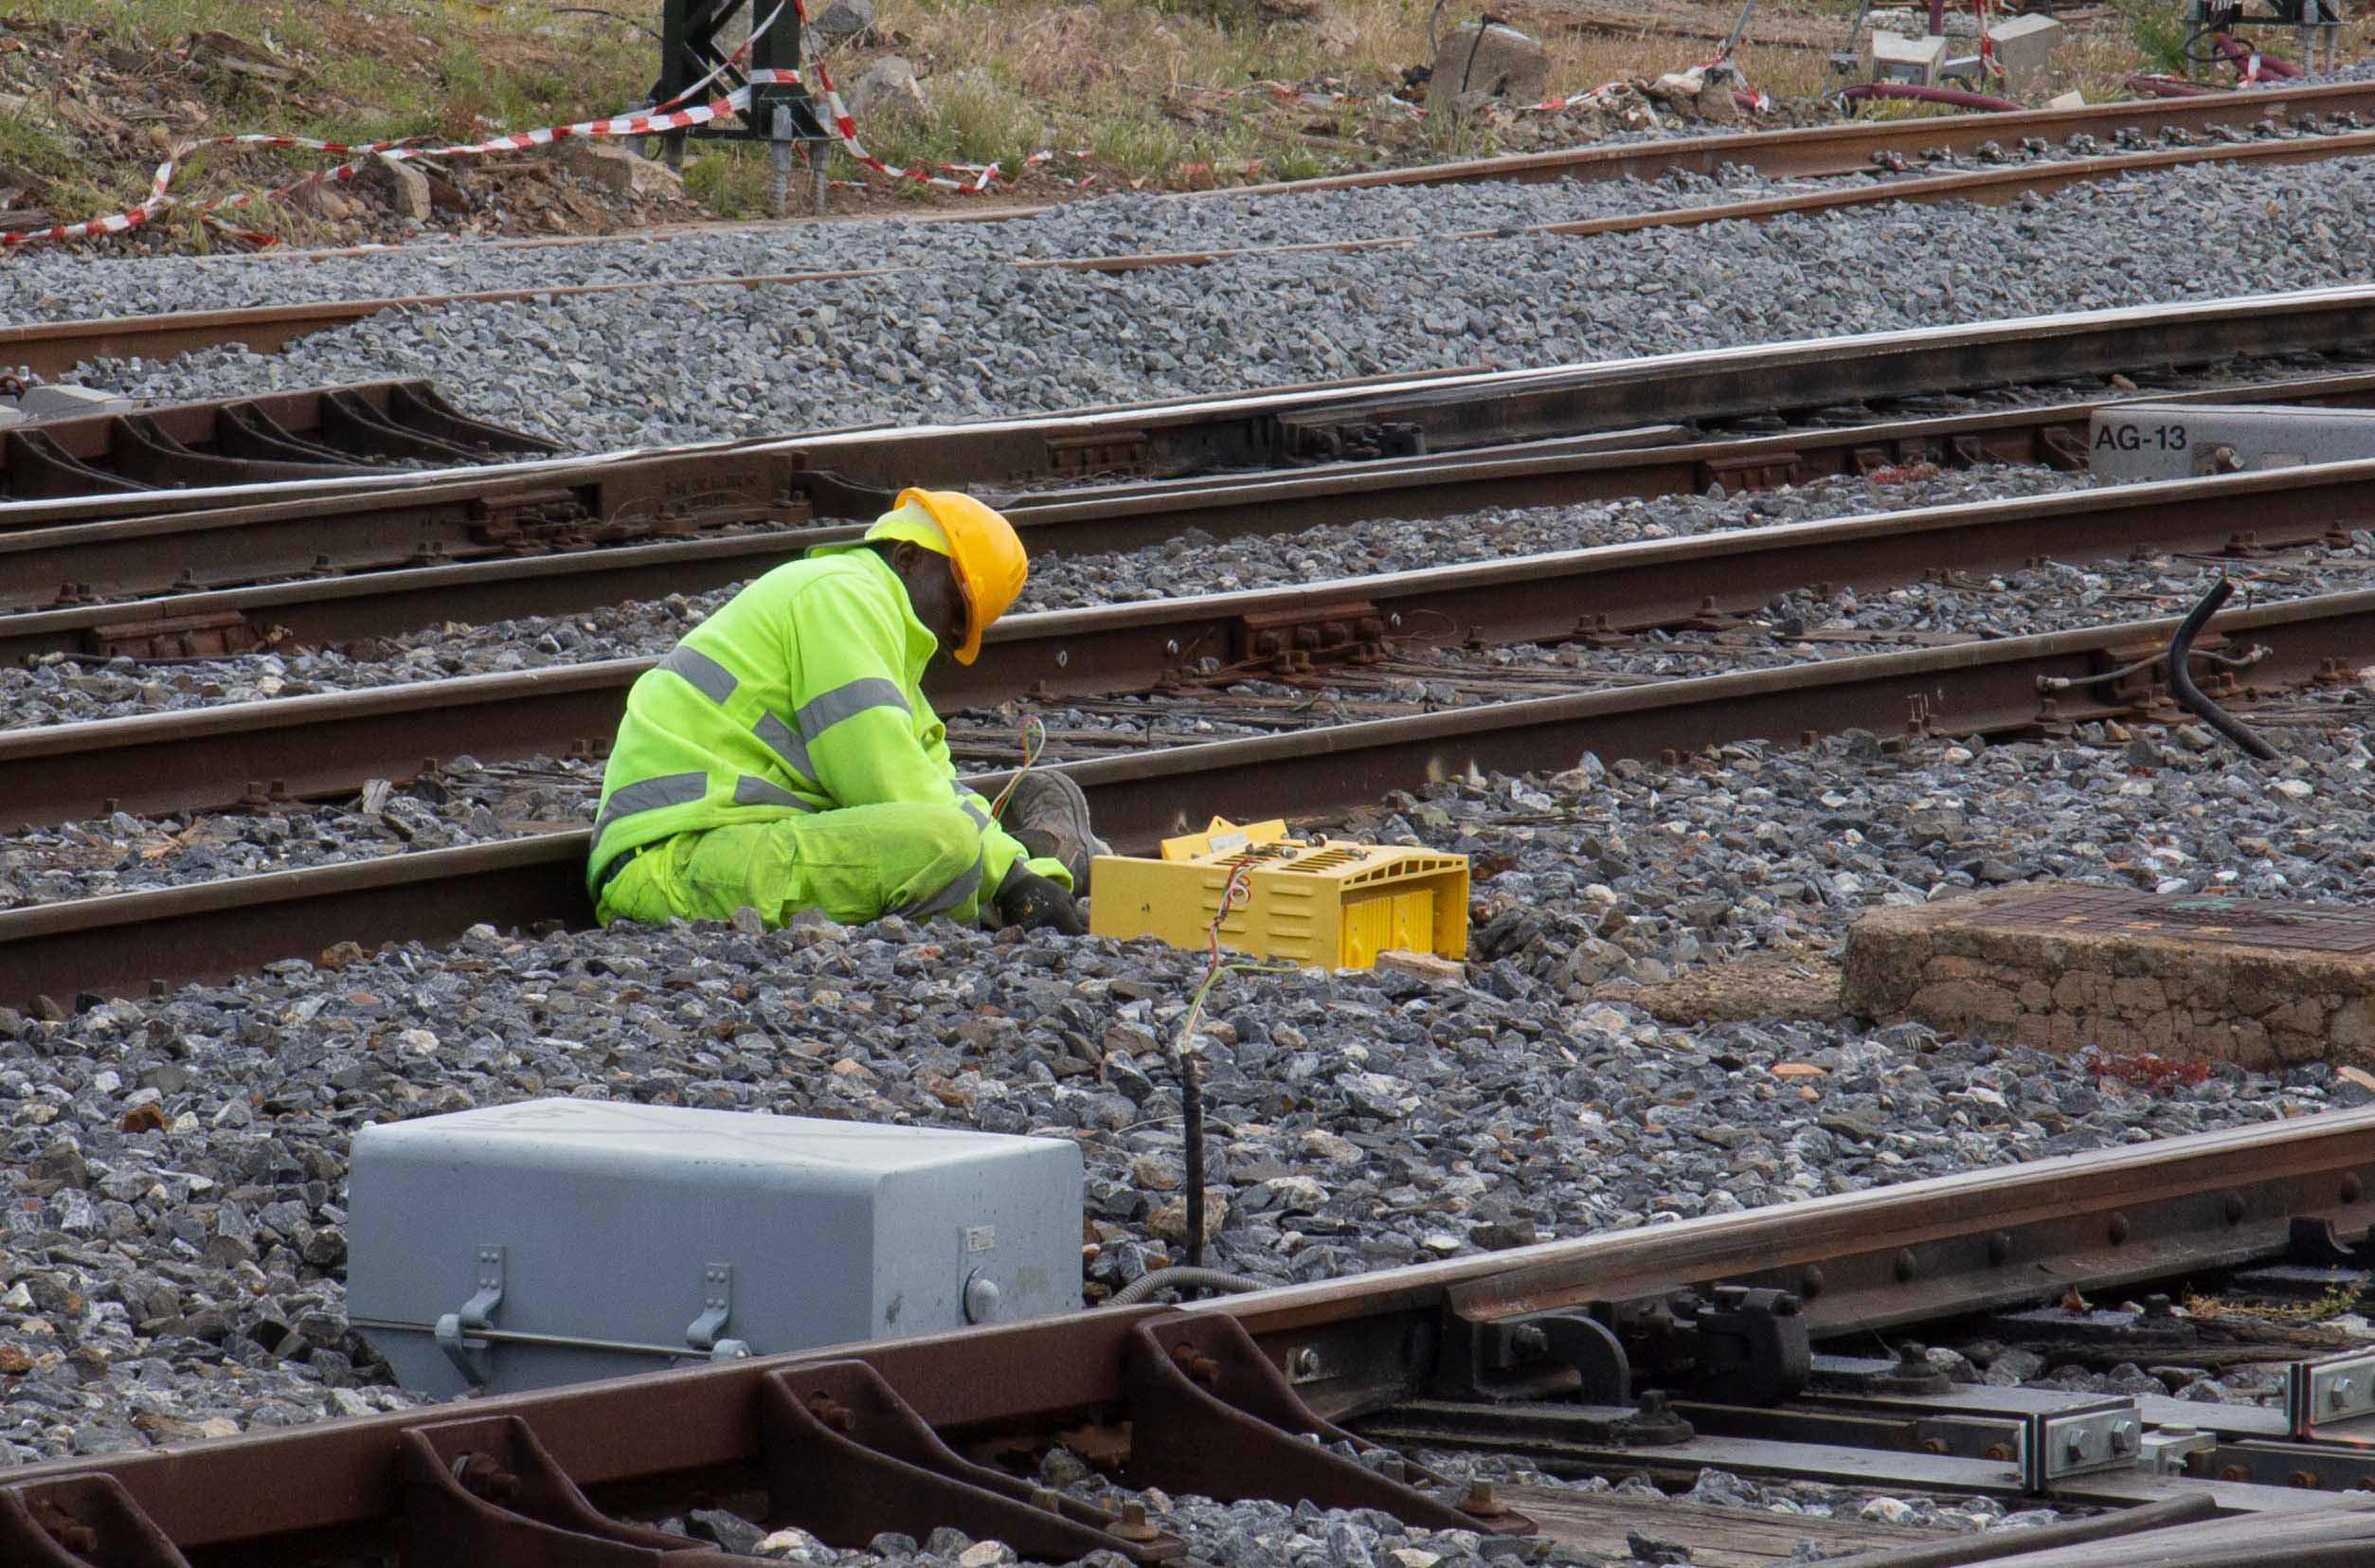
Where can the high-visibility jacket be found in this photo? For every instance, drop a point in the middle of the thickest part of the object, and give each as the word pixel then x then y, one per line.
pixel 802 694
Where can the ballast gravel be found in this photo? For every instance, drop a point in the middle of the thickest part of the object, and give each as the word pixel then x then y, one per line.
pixel 981 337
pixel 175 1165
pixel 1271 1534
pixel 64 285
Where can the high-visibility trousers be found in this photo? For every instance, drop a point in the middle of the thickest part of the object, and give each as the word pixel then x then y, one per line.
pixel 855 864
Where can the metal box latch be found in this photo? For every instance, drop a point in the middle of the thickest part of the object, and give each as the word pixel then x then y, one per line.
pixel 478 1312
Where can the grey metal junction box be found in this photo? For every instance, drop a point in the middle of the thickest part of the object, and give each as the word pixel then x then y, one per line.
pixel 552 1242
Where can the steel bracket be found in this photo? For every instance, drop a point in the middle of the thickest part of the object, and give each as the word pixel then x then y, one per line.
pixel 2064 451
pixel 1211 1414
pixel 848 1459
pixel 1359 441
pixel 1347 629
pixel 1488 1358
pixel 718 1305
pixel 478 1312
pixel 485 1491
pixel 2065 1443
pixel 2313 1242
pixel 1104 452
pixel 175 635
pixel 2168 1450
pixel 1764 470
pixel 1737 1347
pixel 80 1522
pixel 2321 1393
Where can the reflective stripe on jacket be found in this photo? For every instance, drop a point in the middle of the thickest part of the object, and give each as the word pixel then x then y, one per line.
pixel 802 694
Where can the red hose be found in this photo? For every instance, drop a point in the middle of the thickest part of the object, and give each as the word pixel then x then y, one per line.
pixel 1919 94
pixel 1748 101
pixel 2167 86
pixel 2239 56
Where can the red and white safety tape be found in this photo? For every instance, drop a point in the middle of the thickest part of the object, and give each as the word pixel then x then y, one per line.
pixel 1988 65
pixel 971 178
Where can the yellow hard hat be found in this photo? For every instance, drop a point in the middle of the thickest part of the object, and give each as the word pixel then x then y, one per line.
pixel 983 554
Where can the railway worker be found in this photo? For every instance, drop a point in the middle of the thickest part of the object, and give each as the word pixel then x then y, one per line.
pixel 783 755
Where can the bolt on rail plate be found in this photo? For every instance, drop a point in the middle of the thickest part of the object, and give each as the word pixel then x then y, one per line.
pixel 2078 1442
pixel 2318 1393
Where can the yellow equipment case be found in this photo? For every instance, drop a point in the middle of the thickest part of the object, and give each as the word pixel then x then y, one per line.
pixel 1328 904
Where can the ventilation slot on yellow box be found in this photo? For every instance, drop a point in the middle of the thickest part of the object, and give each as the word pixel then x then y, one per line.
pixel 1324 905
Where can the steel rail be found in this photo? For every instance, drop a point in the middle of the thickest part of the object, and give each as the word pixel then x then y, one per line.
pixel 328 743
pixel 1849 148
pixel 1349 1345
pixel 1063 433
pixel 56 348
pixel 182 554
pixel 122 944
pixel 1443 411
pixel 500 515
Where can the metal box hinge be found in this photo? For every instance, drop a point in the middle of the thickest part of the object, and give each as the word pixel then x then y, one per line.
pixel 1211 1414
pixel 847 1459
pixel 2324 1393
pixel 2058 1444
pixel 718 1305
pixel 478 1312
pixel 81 1522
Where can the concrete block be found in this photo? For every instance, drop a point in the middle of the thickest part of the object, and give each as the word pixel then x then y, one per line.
pixel 70 401
pixel 1485 61
pixel 2071 100
pixel 2068 968
pixel 888 84
pixel 2024 48
pixel 607 163
pixel 2179 441
pixel 407 187
pixel 1898 58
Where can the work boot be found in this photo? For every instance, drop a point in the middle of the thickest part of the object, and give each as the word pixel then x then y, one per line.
pixel 1050 815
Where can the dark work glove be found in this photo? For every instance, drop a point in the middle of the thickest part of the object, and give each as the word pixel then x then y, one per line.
pixel 1030 901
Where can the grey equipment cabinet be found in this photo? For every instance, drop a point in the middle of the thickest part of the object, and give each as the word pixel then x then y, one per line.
pixel 553 1241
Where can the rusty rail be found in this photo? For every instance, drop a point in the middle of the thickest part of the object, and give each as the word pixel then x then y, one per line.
pixel 1850 148
pixel 122 943
pixel 1594 414
pixel 474 533
pixel 328 743
pixel 308 433
pixel 1216 1398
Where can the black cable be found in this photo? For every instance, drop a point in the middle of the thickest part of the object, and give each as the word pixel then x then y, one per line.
pixel 2189 695
pixel 1191 1117
pixel 1475 44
